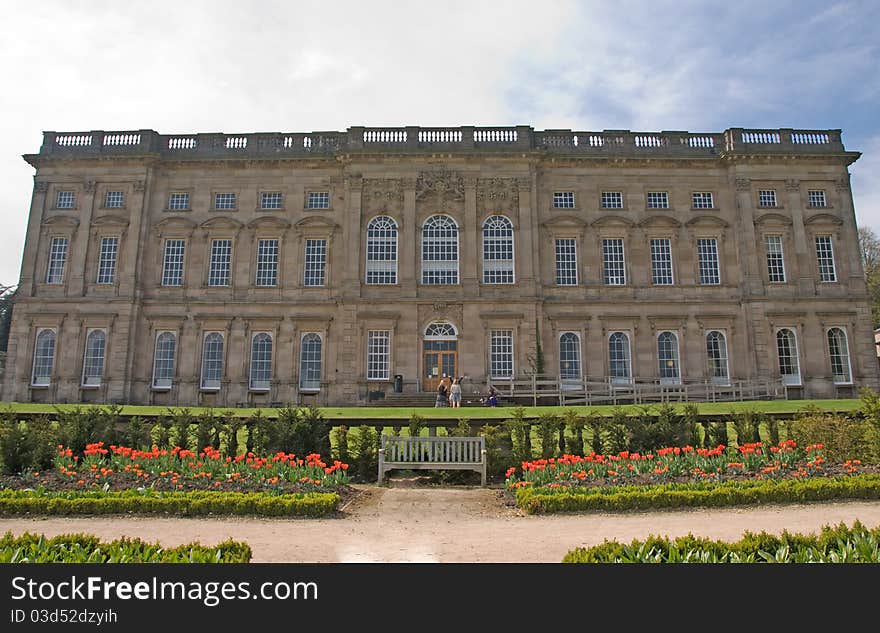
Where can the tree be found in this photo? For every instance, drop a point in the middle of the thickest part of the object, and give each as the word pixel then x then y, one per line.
pixel 7 297
pixel 869 245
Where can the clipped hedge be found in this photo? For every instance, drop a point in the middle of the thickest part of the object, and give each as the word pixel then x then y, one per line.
pixel 198 503
pixel 86 548
pixel 838 544
pixel 708 494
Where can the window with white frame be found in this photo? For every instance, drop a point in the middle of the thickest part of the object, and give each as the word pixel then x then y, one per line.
pixel 825 258
pixel 439 251
pixel 178 201
pixel 93 358
pixel 817 198
pixel 707 257
pixel 310 362
pixel 57 259
pixel 114 200
pixel 212 361
pixel 318 200
pixel 619 361
pixel 787 352
pixel 378 354
pixel 563 199
pixel 267 263
pixel 44 358
pixel 614 264
pixel 775 259
pixel 221 263
pixel 661 261
pixel 658 199
pixel 566 262
pixel 107 260
pixel 163 360
pixel 381 251
pixel 270 200
pixel 767 198
pixel 497 250
pixel 315 262
pixel 501 353
pixel 667 354
pixel 569 355
pixel 612 199
pixel 716 353
pixel 702 200
pixel 224 201
pixel 838 351
pixel 172 264
pixel 261 362
pixel 65 200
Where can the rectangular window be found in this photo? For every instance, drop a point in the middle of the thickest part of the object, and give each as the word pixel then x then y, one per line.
pixel 318 200
pixel 163 360
pixel 270 200
pixel 224 201
pixel 661 262
pixel 612 200
pixel 501 353
pixel 817 198
pixel 65 200
pixel 825 258
pixel 178 201
pixel 107 260
pixel 57 259
pixel 775 259
pixel 767 198
pixel 172 266
pixel 114 200
pixel 614 269
pixel 707 256
pixel 563 200
pixel 378 354
pixel 267 263
pixel 221 263
pixel 566 262
pixel 316 258
pixel 658 200
pixel 703 200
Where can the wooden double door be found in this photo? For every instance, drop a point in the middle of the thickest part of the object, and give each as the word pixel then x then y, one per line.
pixel 439 360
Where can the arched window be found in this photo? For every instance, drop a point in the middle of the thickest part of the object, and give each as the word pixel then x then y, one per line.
pixel 310 362
pixel 667 354
pixel 441 330
pixel 212 361
pixel 787 351
pixel 163 360
pixel 261 362
pixel 93 361
pixel 619 364
pixel 382 251
pixel 569 356
pixel 838 350
pixel 44 358
pixel 716 352
pixel 497 250
pixel 439 250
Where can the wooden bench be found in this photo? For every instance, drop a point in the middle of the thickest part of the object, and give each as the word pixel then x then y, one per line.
pixel 433 453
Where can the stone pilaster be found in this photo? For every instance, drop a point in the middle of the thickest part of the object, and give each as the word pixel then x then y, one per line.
pixel 748 241
pixel 470 255
pixel 351 231
pixel 79 249
pixel 29 266
pixel 408 247
pixel 803 267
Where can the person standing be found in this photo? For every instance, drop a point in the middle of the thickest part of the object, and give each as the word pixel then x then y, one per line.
pixel 442 395
pixel 455 394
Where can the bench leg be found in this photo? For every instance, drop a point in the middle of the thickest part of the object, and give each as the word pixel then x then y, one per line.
pixel 381 465
pixel 483 472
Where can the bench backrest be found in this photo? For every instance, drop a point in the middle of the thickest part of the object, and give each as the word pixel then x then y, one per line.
pixel 450 450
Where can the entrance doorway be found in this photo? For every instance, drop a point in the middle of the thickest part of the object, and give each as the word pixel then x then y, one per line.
pixel 439 355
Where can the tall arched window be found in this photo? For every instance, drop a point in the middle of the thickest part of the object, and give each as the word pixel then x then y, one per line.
pixel 44 358
pixel 497 250
pixel 619 365
pixel 163 360
pixel 439 250
pixel 212 361
pixel 838 350
pixel 570 357
pixel 93 360
pixel 667 354
pixel 382 251
pixel 310 362
pixel 787 351
pixel 716 352
pixel 261 362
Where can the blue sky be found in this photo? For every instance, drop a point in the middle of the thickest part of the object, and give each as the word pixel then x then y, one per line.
pixel 302 66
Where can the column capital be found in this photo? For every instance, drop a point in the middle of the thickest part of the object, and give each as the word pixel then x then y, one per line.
pixel 743 184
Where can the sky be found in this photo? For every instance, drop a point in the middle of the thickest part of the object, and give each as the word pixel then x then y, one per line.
pixel 284 66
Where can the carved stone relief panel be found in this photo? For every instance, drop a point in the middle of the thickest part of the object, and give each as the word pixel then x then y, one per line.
pixel 383 195
pixel 497 195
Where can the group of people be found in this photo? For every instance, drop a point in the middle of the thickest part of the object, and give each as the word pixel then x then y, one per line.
pixel 449 395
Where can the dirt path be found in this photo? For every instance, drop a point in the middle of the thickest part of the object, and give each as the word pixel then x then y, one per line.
pixel 449 525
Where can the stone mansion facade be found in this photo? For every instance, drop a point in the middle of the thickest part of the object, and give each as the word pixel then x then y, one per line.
pixel 229 269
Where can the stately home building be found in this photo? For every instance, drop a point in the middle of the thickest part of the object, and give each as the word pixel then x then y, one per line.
pixel 333 267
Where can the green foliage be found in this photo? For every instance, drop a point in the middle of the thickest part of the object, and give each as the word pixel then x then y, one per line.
pixel 181 421
pixel 26 447
pixel 296 430
pixel 205 429
pixel 79 426
pixel 575 438
pixel 844 437
pixel 597 442
pixel 365 442
pixel 617 436
pixel 690 417
pixel 747 425
pixel 136 434
pixel 773 431
pixel 548 426
pixel 160 434
pixel 519 431
pixel 231 428
pixel 416 424
pixel 717 433
pixel 651 430
pixel 340 435
pixel 499 453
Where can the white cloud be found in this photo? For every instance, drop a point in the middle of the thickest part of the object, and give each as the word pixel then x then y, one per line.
pixel 865 184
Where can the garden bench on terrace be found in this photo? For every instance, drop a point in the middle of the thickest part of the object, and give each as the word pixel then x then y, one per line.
pixel 433 453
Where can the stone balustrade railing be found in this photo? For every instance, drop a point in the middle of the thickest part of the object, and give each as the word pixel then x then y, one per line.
pixel 466 138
